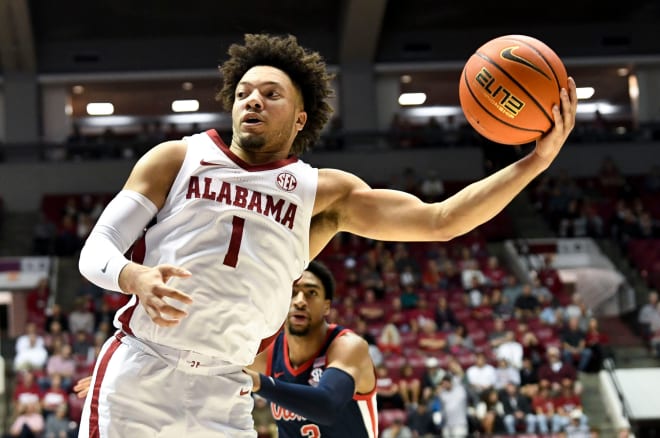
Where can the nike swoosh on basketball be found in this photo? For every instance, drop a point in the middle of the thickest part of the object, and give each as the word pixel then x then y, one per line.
pixel 105 267
pixel 244 391
pixel 278 375
pixel 508 54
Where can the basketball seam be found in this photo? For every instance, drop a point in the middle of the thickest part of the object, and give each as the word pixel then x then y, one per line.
pixel 497 66
pixel 494 115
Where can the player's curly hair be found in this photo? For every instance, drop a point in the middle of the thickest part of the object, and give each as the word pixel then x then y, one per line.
pixel 306 69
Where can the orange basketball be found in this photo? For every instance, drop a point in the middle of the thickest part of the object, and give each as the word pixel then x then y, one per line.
pixel 508 87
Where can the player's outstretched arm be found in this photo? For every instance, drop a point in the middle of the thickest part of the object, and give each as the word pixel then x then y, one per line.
pixel 122 222
pixel 346 203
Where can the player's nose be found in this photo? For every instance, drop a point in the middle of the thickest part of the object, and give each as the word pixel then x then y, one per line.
pixel 254 100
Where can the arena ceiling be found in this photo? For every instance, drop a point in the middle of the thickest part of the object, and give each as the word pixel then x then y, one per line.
pixel 426 39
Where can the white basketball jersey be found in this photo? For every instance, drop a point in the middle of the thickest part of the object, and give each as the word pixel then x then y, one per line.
pixel 243 233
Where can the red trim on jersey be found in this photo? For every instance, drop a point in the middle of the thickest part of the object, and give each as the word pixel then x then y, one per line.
pixel 213 134
pixel 100 373
pixel 310 362
pixel 373 415
pixel 126 315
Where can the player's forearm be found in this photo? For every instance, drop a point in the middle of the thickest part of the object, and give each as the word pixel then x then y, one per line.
pixel 321 404
pixel 481 201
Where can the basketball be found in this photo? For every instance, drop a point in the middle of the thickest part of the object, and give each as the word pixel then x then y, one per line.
pixel 508 88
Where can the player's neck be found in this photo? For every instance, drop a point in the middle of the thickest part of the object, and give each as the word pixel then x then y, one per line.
pixel 303 348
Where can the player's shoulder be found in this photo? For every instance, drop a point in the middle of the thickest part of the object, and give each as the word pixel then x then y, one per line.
pixel 349 342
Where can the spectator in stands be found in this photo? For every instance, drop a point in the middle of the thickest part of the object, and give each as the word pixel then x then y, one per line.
pixel 55 313
pixel 388 395
pixel 555 373
pixel 647 313
pixel 430 339
pixel 390 276
pixel 389 340
pixel 573 342
pixel 541 291
pixel 578 309
pixel 59 425
pixel 511 289
pixel 371 310
pixel 55 336
pixel 66 239
pixel 420 420
pixel 459 341
pixel 489 413
pixel 431 377
pixel 25 340
pixel 26 389
pixel 32 356
pixel 474 292
pixel 481 376
pixel 499 334
pixel 43 236
pixel 576 427
pixel 567 404
pixel 409 385
pixel 518 413
pixel 494 273
pixel 526 306
pixel 37 301
pixel 502 307
pixel 54 396
pixel 598 343
pixel 397 430
pixel 544 410
pixel 647 227
pixel 409 296
pixel 529 377
pixel 81 318
pixel 532 348
pixel 511 350
pixel 505 373
pixel 29 422
pixel 432 278
pixel 454 398
pixel 444 317
pixel 62 364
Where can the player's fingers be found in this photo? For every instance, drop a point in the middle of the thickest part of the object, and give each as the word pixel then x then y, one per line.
pixel 169 271
pixel 175 295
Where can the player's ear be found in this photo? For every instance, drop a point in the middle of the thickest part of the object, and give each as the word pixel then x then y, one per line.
pixel 301 120
pixel 326 307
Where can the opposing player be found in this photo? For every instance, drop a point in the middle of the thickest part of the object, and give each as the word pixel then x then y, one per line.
pixel 235 226
pixel 319 378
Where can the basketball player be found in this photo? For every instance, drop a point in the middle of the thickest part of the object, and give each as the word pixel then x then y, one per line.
pixel 326 379
pixel 319 378
pixel 235 226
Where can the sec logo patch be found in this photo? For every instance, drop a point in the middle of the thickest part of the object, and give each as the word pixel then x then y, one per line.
pixel 286 181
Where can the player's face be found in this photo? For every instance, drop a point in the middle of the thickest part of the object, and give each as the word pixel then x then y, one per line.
pixel 308 305
pixel 267 112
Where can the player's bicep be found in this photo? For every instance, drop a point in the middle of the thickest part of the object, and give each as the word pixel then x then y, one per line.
pixel 156 170
pixel 350 353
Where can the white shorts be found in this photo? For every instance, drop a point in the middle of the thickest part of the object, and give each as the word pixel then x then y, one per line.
pixel 147 391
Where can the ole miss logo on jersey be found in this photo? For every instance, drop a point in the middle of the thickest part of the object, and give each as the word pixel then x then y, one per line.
pixel 286 181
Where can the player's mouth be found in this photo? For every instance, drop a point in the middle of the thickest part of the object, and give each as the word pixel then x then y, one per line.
pixel 251 120
pixel 298 317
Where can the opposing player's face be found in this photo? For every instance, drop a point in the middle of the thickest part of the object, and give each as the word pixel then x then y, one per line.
pixel 308 305
pixel 267 112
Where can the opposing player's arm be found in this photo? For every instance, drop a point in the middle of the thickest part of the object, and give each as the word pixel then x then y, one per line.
pixel 346 203
pixel 349 370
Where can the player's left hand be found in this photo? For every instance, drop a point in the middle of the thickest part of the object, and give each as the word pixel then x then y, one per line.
pixel 548 146
pixel 81 388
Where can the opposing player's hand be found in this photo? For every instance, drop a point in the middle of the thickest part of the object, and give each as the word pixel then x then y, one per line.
pixel 149 284
pixel 81 388
pixel 256 381
pixel 548 146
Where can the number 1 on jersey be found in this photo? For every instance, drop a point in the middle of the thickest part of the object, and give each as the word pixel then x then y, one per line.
pixel 231 258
